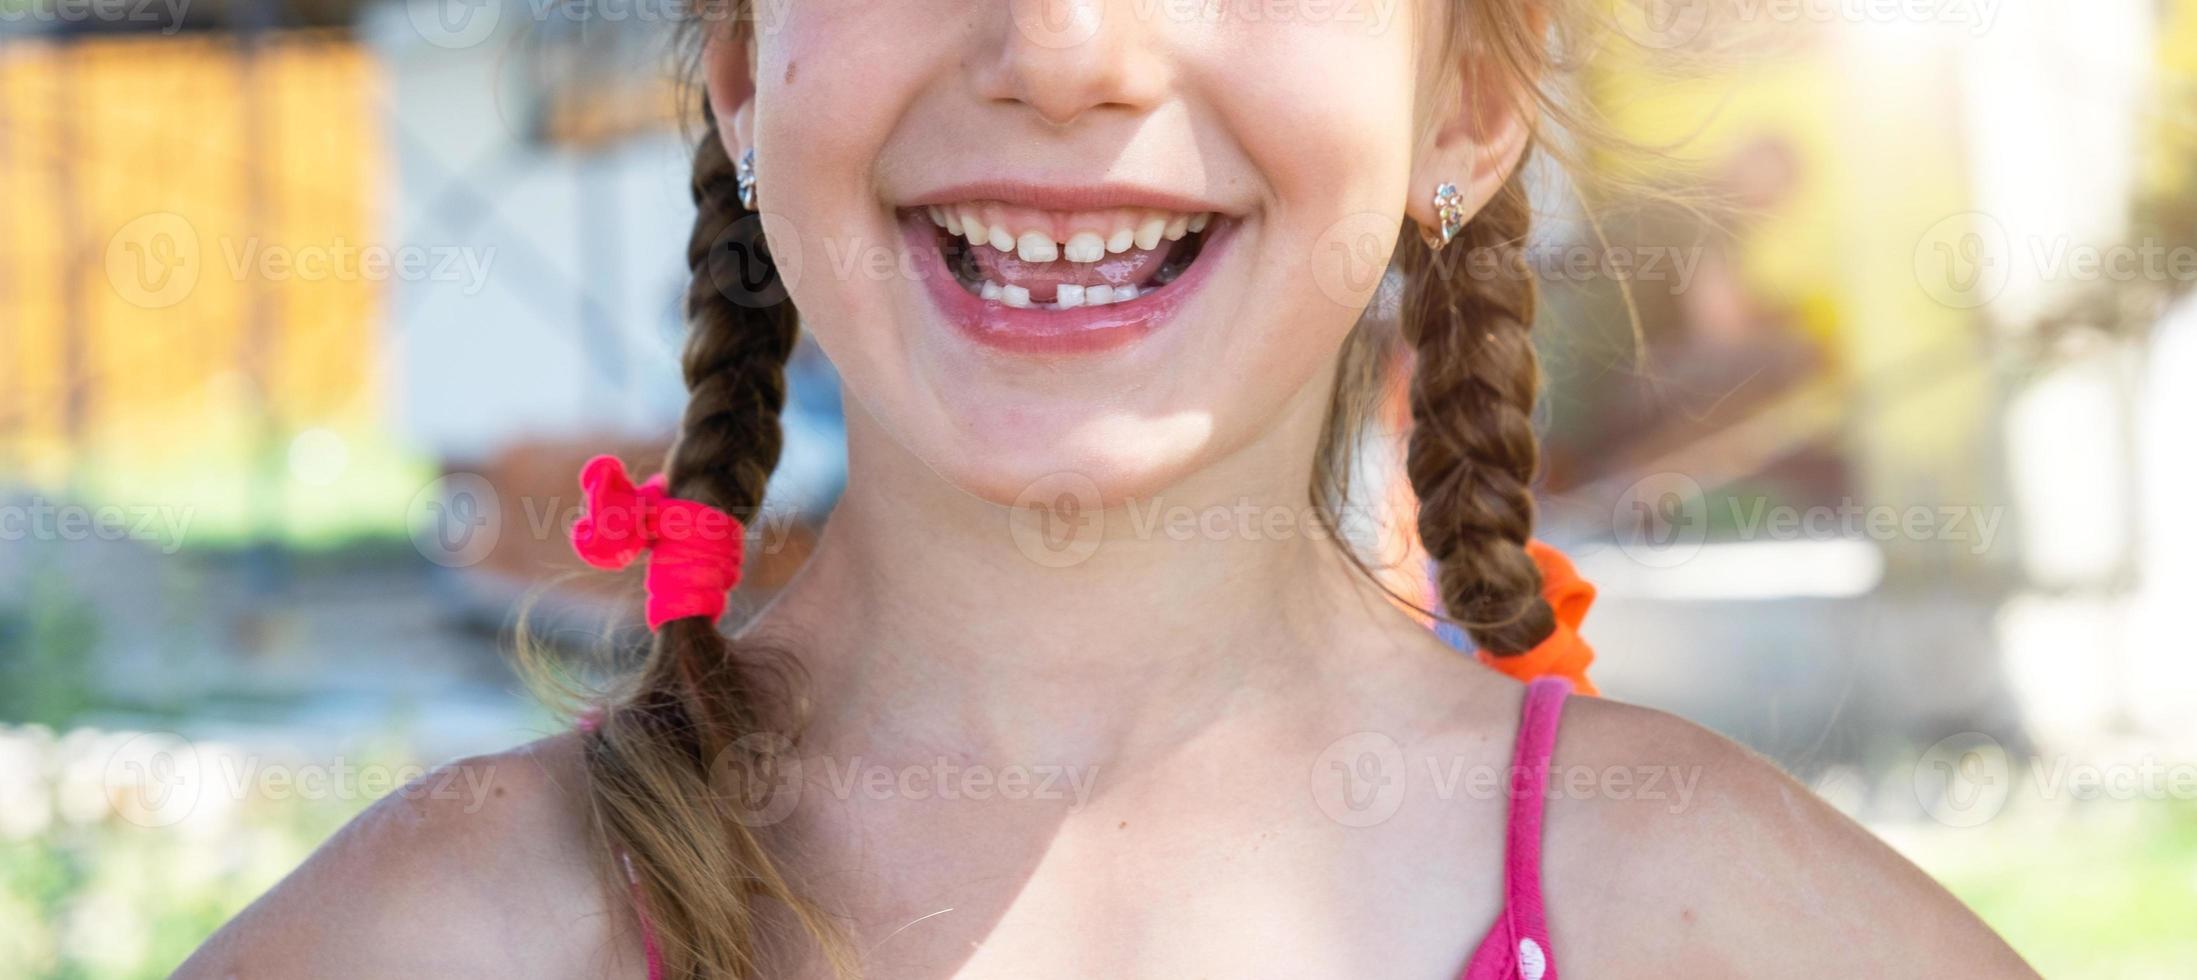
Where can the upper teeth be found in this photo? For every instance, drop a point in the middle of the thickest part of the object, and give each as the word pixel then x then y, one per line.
pixel 1092 239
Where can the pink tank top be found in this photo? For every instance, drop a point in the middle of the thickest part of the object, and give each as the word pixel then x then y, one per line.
pixel 1517 947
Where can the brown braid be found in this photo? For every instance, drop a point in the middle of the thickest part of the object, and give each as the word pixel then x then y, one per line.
pixel 681 767
pixel 1468 313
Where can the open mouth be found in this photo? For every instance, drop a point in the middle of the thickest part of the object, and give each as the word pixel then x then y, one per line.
pixel 1040 260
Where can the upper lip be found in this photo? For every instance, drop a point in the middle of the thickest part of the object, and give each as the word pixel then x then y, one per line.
pixel 1064 197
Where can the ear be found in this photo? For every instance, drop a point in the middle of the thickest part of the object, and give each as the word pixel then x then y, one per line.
pixel 1478 137
pixel 728 72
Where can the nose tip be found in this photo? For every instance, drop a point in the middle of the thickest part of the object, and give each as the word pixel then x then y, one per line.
pixel 1064 58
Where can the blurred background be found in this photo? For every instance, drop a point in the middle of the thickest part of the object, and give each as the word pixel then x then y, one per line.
pixel 309 310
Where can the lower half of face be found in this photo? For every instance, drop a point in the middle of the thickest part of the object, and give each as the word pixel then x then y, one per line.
pixel 1129 296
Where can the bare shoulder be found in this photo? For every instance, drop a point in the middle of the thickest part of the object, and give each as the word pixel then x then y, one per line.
pixel 480 868
pixel 1672 851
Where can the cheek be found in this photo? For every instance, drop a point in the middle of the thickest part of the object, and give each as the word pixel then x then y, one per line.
pixel 1333 138
pixel 833 82
pixel 1332 135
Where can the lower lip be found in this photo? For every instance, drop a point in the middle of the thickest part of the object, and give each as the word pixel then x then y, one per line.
pixel 1077 330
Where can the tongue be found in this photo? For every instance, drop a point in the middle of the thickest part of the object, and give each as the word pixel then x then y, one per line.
pixel 1134 267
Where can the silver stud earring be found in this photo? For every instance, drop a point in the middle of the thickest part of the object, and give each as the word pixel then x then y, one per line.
pixel 743 174
pixel 1449 209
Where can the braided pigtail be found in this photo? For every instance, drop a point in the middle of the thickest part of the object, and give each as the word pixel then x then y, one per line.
pixel 1468 315
pixel 682 768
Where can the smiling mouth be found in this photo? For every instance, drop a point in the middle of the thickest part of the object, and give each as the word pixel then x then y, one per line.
pixel 1042 260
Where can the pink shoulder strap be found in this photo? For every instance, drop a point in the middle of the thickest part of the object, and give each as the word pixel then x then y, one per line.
pixel 1518 945
pixel 589 721
pixel 654 955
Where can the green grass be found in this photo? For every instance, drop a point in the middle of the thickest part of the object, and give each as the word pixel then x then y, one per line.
pixel 2103 890
pixel 88 895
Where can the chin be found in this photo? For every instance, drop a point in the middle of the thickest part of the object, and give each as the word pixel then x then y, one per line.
pixel 1103 461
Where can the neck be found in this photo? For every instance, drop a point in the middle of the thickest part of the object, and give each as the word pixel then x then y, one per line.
pixel 1060 629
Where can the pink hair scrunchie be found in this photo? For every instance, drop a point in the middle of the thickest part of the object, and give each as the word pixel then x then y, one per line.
pixel 694 549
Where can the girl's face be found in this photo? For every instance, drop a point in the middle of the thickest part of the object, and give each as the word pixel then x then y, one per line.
pixel 1121 240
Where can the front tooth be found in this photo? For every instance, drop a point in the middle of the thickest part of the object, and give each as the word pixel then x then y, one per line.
pixel 972 228
pixel 1178 227
pixel 1085 246
pixel 1148 233
pixel 1124 293
pixel 992 290
pixel 1015 296
pixel 1036 246
pixel 1070 295
pixel 1099 295
pixel 1123 238
pixel 1001 240
pixel 1199 220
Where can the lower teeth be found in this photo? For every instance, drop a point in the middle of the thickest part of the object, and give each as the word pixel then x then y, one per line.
pixel 1069 296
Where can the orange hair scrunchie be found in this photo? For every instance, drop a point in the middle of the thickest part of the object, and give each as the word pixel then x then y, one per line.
pixel 1564 654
